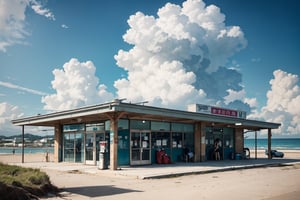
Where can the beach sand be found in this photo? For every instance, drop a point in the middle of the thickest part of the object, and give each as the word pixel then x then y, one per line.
pixel 269 183
pixel 30 157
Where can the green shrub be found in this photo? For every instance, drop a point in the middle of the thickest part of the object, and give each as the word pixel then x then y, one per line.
pixel 28 180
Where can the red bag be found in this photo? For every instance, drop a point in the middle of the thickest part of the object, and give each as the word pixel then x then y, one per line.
pixel 159 156
pixel 166 159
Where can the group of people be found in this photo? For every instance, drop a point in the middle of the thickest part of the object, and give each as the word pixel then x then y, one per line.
pixel 188 154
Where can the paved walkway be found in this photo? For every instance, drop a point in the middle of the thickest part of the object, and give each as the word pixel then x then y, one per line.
pixel 162 170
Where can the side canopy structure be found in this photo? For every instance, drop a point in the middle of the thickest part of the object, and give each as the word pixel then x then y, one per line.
pixel 116 110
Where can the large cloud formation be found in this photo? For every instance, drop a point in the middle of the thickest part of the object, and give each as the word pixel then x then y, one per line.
pixel 75 85
pixel 179 57
pixel 283 103
pixel 8 112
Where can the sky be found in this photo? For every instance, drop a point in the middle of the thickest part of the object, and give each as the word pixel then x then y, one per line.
pixel 59 54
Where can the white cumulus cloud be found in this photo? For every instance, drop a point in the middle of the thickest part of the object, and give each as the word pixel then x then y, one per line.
pixel 39 9
pixel 283 103
pixel 240 96
pixel 9 112
pixel 178 57
pixel 75 85
pixel 64 26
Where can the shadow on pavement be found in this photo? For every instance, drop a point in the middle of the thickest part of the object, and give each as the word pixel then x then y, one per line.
pixel 98 191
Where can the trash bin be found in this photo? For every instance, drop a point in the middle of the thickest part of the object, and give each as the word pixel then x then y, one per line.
pixel 159 156
pixel 103 155
pixel 238 156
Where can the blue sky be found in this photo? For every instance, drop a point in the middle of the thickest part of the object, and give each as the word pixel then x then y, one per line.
pixel 46 36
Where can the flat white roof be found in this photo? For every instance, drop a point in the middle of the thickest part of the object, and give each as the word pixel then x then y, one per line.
pixel 133 111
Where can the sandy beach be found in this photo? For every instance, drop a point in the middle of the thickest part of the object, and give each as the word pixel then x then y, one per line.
pixel 271 183
pixel 30 157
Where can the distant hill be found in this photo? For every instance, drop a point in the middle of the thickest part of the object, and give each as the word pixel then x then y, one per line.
pixel 27 135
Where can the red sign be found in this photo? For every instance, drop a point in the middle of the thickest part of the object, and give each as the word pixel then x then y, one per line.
pixel 222 111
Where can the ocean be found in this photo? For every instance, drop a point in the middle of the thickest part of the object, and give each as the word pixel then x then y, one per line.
pixel 277 143
pixel 27 150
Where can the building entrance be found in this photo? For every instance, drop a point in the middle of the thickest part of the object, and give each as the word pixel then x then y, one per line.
pixel 73 147
pixel 225 139
pixel 140 151
pixel 92 141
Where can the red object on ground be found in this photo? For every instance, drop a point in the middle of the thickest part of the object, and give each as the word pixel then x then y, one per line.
pixel 166 159
pixel 159 156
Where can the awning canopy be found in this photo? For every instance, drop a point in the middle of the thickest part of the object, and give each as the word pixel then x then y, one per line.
pixel 105 111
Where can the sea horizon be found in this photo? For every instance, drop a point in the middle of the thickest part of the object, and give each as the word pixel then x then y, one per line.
pixel 27 150
pixel 276 143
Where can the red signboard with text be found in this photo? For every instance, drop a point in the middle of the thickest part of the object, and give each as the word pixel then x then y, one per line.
pixel 223 111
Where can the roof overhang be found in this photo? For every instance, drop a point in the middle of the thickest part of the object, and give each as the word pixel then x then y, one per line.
pixel 90 113
pixel 133 111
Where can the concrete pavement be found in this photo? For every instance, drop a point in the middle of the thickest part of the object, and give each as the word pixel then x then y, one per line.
pixel 162 170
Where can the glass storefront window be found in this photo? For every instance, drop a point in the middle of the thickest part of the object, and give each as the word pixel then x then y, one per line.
pixel 180 127
pixel 123 124
pixel 228 138
pixel 160 140
pixel 189 141
pixel 89 146
pixel 177 127
pixel 73 147
pixel 107 125
pixel 95 127
pixel 177 140
pixel 73 127
pixel 225 138
pixel 81 142
pixel 188 128
pixel 68 147
pixel 160 126
pixel 140 124
pixel 79 147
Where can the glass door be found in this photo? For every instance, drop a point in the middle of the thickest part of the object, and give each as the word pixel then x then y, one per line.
pixel 90 150
pixel 79 147
pixel 68 150
pixel 73 147
pixel 92 141
pixel 140 152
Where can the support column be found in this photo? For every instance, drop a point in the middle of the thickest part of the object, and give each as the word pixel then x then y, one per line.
pixel 114 143
pixel 200 145
pixel 57 143
pixel 202 142
pixel 23 144
pixel 269 143
pixel 114 118
pixel 239 140
pixel 197 142
pixel 255 144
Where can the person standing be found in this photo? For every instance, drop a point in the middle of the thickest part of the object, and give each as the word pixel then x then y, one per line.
pixel 217 149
